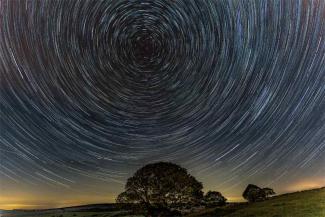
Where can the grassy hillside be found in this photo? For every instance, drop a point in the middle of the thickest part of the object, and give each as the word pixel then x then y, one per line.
pixel 300 204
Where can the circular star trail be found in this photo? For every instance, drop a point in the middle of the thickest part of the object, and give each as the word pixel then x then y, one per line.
pixel 96 89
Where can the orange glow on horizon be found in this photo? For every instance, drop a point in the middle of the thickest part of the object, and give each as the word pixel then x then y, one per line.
pixel 20 206
pixel 12 206
pixel 31 202
pixel 306 185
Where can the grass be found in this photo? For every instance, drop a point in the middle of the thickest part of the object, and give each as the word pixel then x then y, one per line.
pixel 300 204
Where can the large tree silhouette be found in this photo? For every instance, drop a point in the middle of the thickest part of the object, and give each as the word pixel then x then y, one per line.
pixel 161 185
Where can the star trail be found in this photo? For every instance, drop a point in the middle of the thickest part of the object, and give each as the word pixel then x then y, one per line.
pixel 92 90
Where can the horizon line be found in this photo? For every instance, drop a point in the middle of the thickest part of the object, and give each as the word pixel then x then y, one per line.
pixel 111 203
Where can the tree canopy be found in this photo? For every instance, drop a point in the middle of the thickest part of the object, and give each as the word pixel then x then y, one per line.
pixel 161 185
pixel 254 193
pixel 213 198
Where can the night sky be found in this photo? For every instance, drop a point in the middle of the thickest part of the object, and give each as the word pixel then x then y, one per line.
pixel 90 91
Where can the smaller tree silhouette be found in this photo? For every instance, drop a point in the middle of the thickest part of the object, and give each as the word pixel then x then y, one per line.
pixel 214 198
pixel 268 192
pixel 254 193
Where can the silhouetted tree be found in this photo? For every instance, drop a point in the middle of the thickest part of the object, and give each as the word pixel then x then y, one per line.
pixel 161 185
pixel 254 193
pixel 214 198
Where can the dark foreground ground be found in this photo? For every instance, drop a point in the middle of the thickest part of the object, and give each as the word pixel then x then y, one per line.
pixel 300 204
